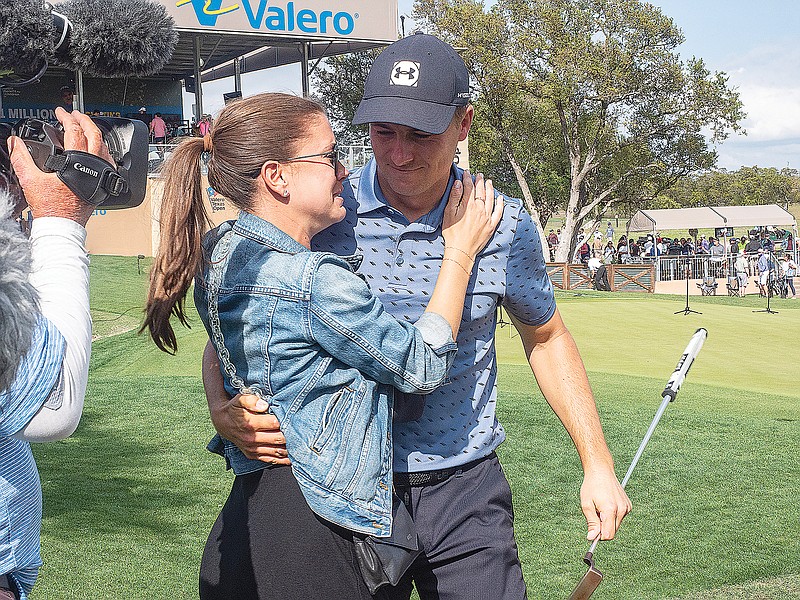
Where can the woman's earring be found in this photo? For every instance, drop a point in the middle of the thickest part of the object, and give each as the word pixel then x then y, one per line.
pixel 285 193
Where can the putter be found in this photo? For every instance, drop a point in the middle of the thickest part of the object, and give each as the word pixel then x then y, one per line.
pixel 593 577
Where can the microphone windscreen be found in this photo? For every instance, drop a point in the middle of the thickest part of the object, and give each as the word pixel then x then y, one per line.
pixel 119 38
pixel 26 41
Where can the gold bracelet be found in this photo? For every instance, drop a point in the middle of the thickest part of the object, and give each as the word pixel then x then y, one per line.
pixel 459 250
pixel 459 264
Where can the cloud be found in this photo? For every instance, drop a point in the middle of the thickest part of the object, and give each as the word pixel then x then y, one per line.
pixel 773 113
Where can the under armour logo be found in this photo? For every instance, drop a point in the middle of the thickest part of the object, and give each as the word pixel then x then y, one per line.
pixel 405 72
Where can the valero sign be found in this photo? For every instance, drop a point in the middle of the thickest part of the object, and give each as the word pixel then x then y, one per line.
pixel 315 19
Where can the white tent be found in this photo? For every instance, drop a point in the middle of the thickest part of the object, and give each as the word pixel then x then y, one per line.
pixel 721 216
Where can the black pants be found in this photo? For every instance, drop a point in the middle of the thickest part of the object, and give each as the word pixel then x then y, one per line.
pixel 466 525
pixel 267 544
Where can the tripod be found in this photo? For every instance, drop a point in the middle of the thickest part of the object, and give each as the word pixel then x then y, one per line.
pixel 686 309
pixel 769 287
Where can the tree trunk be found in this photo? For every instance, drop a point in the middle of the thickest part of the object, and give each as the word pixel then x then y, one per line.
pixel 527 197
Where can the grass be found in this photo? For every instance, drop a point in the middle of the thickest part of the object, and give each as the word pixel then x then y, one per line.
pixel 130 497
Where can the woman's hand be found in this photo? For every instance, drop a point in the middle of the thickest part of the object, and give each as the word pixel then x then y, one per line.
pixel 470 218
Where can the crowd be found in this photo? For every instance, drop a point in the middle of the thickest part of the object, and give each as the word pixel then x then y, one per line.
pixel 766 253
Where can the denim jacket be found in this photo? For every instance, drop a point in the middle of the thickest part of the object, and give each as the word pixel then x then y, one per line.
pixel 305 331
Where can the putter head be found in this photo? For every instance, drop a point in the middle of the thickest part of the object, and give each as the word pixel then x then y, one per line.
pixel 589 582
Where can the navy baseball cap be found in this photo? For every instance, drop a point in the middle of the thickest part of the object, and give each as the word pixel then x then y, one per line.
pixel 418 81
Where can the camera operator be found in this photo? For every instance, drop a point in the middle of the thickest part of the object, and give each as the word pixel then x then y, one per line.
pixel 46 341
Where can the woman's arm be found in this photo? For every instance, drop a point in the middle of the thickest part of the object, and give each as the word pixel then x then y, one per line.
pixel 470 219
pixel 351 324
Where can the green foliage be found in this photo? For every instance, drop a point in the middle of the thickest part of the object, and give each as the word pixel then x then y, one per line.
pixel 748 185
pixel 589 92
pixel 339 84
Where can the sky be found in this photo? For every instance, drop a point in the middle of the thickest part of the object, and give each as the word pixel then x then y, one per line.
pixel 754 43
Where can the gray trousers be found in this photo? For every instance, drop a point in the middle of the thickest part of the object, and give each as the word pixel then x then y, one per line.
pixel 466 525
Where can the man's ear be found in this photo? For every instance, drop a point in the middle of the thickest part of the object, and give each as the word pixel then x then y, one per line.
pixel 466 123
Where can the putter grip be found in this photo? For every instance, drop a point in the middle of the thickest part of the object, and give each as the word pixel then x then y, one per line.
pixel 684 364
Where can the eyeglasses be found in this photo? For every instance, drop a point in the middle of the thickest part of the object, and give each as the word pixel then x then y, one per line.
pixel 332 156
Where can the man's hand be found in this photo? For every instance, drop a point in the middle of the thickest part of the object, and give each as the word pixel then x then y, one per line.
pixel 243 419
pixel 559 370
pixel 45 193
pixel 604 503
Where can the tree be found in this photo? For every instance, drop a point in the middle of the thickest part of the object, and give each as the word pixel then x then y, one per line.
pixel 629 117
pixel 339 85
pixel 748 185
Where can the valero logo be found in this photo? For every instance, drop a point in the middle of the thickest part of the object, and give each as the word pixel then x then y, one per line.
pixel 274 18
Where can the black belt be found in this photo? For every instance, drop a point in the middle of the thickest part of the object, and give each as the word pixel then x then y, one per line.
pixel 422 478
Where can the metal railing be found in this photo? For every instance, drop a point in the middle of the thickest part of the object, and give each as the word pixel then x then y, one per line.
pixel 674 268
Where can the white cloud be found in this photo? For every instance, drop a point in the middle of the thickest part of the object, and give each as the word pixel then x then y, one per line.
pixel 773 113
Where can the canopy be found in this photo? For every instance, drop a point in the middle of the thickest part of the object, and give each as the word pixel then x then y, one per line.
pixel 707 217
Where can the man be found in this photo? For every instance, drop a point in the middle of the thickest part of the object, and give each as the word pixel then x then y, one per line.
pixel 610 232
pixel 158 129
pixel 764 266
pixel 753 245
pixel 67 98
pixel 742 273
pixel 43 378
pixel 552 244
pixel 416 102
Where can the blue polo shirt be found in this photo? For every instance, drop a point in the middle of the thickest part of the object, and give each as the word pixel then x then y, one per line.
pixel 20 490
pixel 401 263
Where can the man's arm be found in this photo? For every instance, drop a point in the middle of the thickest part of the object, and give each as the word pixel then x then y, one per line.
pixel 242 419
pixel 559 371
pixel 60 272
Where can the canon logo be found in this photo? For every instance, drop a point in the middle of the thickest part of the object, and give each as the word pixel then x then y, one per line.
pixel 85 169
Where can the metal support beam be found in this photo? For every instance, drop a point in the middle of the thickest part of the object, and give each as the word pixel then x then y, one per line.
pixel 78 99
pixel 306 47
pixel 237 74
pixel 198 81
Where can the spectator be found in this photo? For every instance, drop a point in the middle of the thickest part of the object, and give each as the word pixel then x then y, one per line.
pixel 622 250
pixel 704 245
pixel 597 245
pixel 633 248
pixel 552 244
pixel 610 232
pixel 673 247
pixel 609 253
pixel 789 268
pixel 67 96
pixel 734 247
pixel 764 266
pixel 43 381
pixel 158 129
pixel 584 252
pixel 742 272
pixel 753 245
pixel 204 126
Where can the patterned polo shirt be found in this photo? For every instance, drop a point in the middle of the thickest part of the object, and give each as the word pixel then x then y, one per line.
pixel 20 490
pixel 401 262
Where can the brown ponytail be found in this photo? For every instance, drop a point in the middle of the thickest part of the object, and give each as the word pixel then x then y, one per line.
pixel 247 133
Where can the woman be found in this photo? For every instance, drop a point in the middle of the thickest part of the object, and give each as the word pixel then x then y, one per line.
pixel 302 330
pixel 609 253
